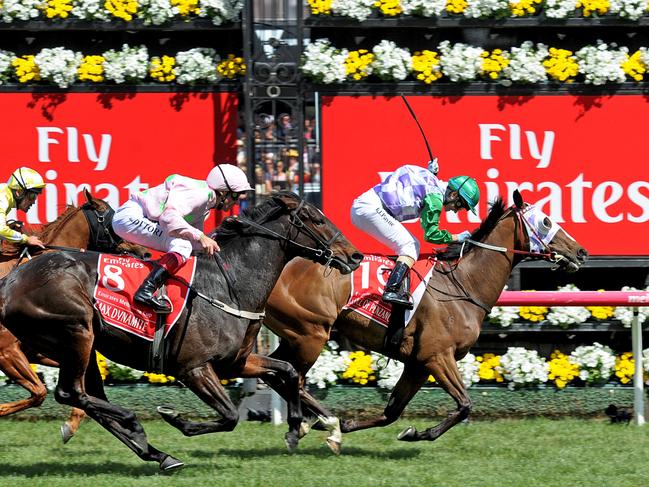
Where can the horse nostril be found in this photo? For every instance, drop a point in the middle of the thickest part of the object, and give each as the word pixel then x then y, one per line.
pixel 357 257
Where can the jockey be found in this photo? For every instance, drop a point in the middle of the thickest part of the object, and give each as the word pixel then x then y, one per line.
pixel 20 192
pixel 170 218
pixel 411 192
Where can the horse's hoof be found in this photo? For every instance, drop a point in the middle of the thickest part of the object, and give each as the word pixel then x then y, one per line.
pixel 305 427
pixel 334 445
pixel 167 412
pixel 170 463
pixel 409 434
pixel 291 440
pixel 66 432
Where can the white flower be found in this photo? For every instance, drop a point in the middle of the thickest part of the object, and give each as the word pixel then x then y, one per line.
pixel 486 8
pixel 50 376
pixel 325 370
pixel 631 9
pixel 460 62
pixel 356 9
pixel 596 362
pixel 599 64
pixel 156 12
pixel 90 10
pixel 220 11
pixel 389 373
pixel 5 65
pixel 128 64
pixel 324 63
pixel 196 65
pixel 20 9
pixel 567 315
pixel 521 367
pixel 426 8
pixel 526 63
pixel 503 315
pixel 625 313
pixel 391 62
pixel 469 369
pixel 58 65
pixel 559 9
pixel 3 378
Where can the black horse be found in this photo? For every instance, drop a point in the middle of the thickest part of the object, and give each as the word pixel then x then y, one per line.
pixel 48 304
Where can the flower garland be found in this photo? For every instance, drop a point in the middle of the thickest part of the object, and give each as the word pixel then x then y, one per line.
pixel 150 12
pixel 458 62
pixel 559 9
pixel 130 64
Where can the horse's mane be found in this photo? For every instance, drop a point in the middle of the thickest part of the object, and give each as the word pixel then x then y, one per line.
pixel 452 251
pixel 48 230
pixel 232 227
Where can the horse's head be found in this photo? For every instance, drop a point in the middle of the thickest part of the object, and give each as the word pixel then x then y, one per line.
pixel 102 236
pixel 546 239
pixel 308 231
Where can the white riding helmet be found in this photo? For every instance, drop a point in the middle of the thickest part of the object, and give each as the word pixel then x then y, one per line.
pixel 228 177
pixel 27 179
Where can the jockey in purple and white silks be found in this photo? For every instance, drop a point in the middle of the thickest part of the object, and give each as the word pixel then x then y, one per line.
pixel 407 193
pixel 170 218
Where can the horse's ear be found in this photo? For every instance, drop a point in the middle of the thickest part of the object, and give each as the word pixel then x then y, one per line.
pixel 518 199
pixel 89 198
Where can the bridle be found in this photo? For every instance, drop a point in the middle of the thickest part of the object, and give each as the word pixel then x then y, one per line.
pixel 102 236
pixel 321 252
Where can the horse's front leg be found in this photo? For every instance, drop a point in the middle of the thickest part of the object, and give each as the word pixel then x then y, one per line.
pixel 282 377
pixel 444 369
pixel 411 380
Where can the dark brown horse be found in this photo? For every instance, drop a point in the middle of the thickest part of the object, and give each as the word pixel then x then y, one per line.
pixel 47 303
pixel 468 279
pixel 87 227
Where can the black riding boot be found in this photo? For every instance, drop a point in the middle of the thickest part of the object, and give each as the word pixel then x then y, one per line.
pixel 153 281
pixel 394 292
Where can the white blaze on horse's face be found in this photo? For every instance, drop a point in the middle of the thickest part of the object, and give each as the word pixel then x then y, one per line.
pixel 541 228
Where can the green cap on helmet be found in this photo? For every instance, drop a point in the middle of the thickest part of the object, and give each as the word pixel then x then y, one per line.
pixel 468 189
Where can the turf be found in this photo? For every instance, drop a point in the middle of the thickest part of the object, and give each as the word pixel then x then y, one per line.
pixel 527 452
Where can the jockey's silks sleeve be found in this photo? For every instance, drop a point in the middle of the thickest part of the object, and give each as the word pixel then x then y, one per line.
pixel 7 203
pixel 431 211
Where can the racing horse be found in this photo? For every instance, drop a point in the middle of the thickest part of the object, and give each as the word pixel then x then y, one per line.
pixel 48 304
pixel 86 227
pixel 466 283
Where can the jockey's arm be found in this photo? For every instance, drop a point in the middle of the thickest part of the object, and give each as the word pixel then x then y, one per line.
pixel 429 219
pixel 7 233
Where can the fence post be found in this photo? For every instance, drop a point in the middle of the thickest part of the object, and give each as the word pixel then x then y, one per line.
pixel 638 384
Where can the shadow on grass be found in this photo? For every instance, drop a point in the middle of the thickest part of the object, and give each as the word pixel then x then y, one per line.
pixel 40 469
pixel 317 452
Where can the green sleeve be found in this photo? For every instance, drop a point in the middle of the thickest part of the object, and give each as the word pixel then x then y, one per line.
pixel 433 205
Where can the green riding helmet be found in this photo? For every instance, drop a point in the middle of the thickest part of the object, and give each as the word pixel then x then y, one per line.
pixel 468 189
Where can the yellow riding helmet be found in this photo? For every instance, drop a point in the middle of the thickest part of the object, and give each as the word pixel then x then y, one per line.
pixel 27 179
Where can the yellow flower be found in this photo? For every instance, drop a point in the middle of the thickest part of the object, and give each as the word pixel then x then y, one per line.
pixel 359 368
pixel 56 8
pixel 493 63
pixel 590 6
pixel 533 313
pixel 523 7
pixel 26 69
pixel 232 67
pixel 562 370
pixel 634 66
pixel 561 65
pixel 91 69
pixel 625 367
pixel 320 7
pixel 158 378
pixel 162 69
pixel 358 64
pixel 122 9
pixel 488 363
pixel 456 6
pixel 186 7
pixel 389 8
pixel 426 65
pixel 102 363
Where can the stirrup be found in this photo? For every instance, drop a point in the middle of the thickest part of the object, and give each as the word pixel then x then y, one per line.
pixel 396 298
pixel 158 305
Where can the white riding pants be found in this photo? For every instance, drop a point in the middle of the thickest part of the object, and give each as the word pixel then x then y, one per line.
pixel 369 215
pixel 130 223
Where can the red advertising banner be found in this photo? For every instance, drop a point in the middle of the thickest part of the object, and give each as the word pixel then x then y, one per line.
pixel 581 158
pixel 113 144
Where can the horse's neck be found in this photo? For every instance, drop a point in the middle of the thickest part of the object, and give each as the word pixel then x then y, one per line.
pixel 73 232
pixel 488 270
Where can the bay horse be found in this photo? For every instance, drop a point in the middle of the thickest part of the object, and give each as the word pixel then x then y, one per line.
pixel 85 227
pixel 467 281
pixel 48 304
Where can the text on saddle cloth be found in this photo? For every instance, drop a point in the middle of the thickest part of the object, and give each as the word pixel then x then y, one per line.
pixel 118 279
pixel 370 278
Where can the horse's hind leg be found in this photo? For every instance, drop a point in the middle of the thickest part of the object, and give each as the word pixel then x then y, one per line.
pixel 204 382
pixel 444 369
pixel 15 365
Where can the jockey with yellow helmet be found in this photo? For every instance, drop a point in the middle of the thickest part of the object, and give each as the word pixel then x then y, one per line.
pixel 170 218
pixel 411 192
pixel 21 191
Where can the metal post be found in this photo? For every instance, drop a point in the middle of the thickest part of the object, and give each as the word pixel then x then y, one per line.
pixel 638 383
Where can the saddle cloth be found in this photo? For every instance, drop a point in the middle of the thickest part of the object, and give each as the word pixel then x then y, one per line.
pixel 367 287
pixel 117 280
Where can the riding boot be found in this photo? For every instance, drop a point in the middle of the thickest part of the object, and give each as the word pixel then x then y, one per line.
pixel 394 290
pixel 145 293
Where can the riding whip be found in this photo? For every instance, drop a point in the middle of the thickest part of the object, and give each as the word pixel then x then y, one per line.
pixel 430 153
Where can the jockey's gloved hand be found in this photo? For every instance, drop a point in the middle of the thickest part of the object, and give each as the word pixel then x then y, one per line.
pixel 433 166
pixel 461 237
